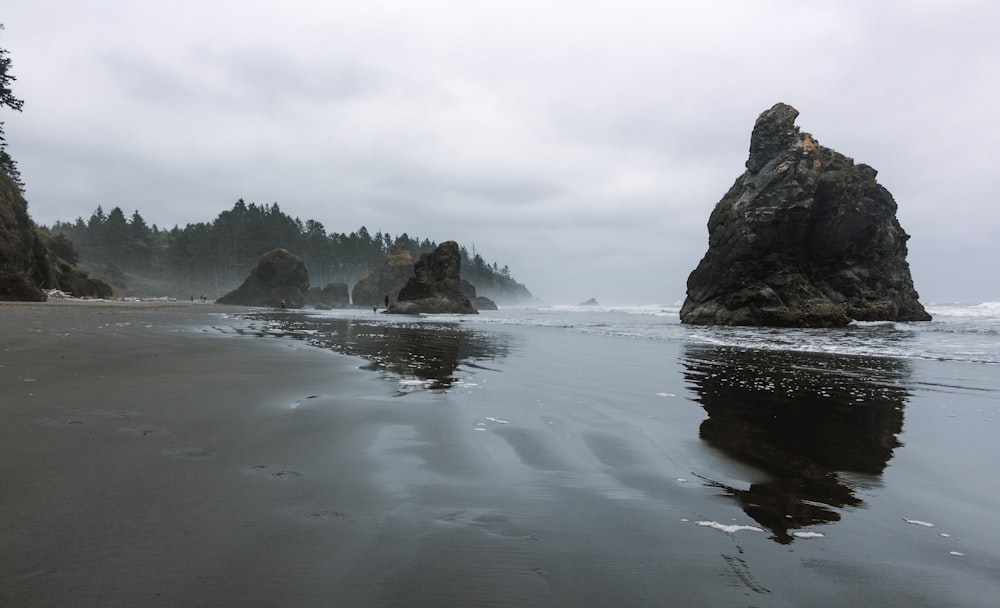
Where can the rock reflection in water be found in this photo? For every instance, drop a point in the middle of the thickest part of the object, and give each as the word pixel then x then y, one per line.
pixel 802 418
pixel 427 351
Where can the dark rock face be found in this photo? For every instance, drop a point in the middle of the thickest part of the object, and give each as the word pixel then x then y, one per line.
pixel 387 280
pixel 435 286
pixel 279 276
pixel 27 266
pixel 804 238
pixel 334 295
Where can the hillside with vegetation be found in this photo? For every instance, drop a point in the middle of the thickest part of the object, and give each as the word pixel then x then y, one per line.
pixel 212 258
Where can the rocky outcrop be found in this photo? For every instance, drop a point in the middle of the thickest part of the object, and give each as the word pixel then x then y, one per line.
pixel 435 286
pixel 80 284
pixel 483 303
pixel 805 237
pixel 27 265
pixel 384 281
pixel 334 295
pixel 478 302
pixel 280 277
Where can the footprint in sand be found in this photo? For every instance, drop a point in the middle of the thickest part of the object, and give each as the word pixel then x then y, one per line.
pixel 142 430
pixel 58 421
pixel 191 453
pixel 275 472
pixel 328 515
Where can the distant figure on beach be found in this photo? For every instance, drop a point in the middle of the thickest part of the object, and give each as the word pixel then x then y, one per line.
pixel 387 301
pixel 375 308
pixel 283 302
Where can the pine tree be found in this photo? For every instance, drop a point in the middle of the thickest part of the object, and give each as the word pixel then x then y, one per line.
pixel 7 164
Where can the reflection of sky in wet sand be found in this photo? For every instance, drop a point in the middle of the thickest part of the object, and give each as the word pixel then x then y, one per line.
pixel 804 420
pixel 423 354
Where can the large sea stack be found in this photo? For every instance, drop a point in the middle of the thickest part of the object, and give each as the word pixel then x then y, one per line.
pixel 279 278
pixel 435 286
pixel 804 238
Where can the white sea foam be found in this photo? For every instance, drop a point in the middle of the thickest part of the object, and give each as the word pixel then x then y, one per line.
pixel 414 382
pixel 727 529
pixel 917 522
pixel 497 420
pixel 808 534
pixel 956 553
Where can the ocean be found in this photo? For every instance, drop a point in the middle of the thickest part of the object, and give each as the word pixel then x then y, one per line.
pixel 613 456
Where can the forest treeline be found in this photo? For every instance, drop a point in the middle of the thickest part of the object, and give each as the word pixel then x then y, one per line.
pixel 213 258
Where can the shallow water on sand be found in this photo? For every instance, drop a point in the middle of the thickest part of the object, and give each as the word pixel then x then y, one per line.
pixel 541 458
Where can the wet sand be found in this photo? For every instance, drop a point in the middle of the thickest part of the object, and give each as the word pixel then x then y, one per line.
pixel 146 461
pixel 164 455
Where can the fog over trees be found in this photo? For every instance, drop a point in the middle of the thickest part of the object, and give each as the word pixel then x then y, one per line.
pixel 212 258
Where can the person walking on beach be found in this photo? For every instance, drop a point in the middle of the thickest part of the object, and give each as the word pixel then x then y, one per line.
pixel 387 301
pixel 283 302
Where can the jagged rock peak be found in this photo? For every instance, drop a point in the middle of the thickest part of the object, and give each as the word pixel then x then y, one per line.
pixel 773 132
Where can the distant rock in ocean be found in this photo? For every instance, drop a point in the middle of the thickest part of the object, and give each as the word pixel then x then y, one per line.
pixel 435 286
pixel 385 280
pixel 804 238
pixel 590 302
pixel 334 295
pixel 279 278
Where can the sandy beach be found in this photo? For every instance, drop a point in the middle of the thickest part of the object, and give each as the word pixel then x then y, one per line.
pixel 168 454
pixel 146 462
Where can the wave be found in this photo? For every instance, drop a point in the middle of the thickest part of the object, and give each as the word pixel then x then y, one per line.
pixel 981 310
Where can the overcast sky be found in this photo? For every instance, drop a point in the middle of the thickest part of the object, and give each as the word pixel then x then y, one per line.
pixel 583 144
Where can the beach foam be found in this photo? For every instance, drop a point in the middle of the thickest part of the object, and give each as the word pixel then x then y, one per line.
pixel 917 522
pixel 727 528
pixel 808 535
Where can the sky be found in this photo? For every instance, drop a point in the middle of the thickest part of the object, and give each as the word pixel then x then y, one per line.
pixel 582 144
